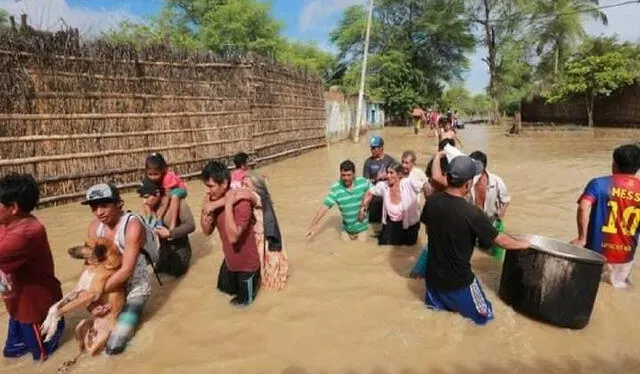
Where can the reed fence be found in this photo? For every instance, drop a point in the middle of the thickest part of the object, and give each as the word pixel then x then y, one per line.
pixel 74 114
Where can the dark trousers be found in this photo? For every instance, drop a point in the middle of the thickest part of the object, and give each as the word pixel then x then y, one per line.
pixel 393 234
pixel 375 210
pixel 242 284
pixel 175 256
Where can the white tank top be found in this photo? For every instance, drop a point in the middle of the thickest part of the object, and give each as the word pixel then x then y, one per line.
pixel 138 284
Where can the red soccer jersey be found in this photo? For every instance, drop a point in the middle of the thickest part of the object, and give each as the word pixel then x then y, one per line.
pixel 615 215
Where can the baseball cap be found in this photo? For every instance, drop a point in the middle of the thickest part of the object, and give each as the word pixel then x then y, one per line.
pixel 102 193
pixel 148 187
pixel 464 168
pixel 376 141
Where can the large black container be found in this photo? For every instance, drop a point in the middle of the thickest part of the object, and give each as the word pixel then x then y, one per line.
pixel 553 281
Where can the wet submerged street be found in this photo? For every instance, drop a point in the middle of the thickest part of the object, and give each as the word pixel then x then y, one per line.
pixel 349 307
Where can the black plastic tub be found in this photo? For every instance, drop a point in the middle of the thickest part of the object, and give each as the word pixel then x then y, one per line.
pixel 553 281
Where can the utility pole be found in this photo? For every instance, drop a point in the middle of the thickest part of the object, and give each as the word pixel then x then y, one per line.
pixel 363 75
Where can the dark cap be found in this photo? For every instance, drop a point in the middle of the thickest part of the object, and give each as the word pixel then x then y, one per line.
pixel 148 187
pixel 464 168
pixel 102 193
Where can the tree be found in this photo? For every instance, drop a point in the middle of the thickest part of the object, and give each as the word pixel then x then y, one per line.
pixel 415 47
pixel 224 27
pixel 480 105
pixel 502 24
pixel 456 98
pixel 602 66
pixel 559 26
pixel 4 19
pixel 307 56
pixel 214 25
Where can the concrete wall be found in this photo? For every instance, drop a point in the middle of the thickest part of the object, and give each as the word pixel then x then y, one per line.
pixel 341 114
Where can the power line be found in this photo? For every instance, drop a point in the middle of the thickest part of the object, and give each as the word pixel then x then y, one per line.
pixel 566 13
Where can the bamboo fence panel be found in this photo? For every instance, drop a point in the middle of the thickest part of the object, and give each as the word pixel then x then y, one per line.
pixel 75 114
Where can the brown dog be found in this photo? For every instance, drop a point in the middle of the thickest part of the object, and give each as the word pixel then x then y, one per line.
pixel 102 258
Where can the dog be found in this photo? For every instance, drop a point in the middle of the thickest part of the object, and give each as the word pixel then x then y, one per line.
pixel 102 259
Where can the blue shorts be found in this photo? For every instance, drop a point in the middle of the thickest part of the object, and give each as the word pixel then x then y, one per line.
pixel 23 338
pixel 469 301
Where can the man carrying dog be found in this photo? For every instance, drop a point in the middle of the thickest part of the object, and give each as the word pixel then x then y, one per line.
pixel 28 284
pixel 240 271
pixel 129 235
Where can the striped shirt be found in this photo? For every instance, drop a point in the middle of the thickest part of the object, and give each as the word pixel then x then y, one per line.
pixel 349 201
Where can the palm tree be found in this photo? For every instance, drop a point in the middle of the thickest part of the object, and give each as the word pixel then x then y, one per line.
pixel 560 26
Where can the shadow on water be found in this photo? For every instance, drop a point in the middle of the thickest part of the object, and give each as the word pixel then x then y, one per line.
pixel 402 259
pixel 547 366
pixel 201 246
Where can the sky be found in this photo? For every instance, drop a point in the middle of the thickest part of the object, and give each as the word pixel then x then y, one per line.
pixel 308 20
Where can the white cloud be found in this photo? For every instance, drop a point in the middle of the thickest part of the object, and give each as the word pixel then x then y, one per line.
pixel 55 14
pixel 315 12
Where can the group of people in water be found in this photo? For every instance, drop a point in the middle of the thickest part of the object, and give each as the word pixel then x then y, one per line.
pixel 459 201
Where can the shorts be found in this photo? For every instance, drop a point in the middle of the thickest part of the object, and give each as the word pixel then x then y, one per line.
pixel 175 256
pixel 469 301
pixel 393 234
pixel 361 236
pixel 241 284
pixel 181 193
pixel 23 338
pixel 618 274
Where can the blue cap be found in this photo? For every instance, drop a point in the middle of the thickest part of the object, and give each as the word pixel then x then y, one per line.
pixel 376 141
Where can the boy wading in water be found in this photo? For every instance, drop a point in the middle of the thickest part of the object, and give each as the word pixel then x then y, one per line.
pixel 609 215
pixel 453 225
pixel 240 271
pixel 28 284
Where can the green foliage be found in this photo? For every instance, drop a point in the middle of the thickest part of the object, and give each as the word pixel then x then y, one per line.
pixel 480 105
pixel 458 98
pixel 307 56
pixel 4 19
pixel 224 27
pixel 602 66
pixel 558 27
pixel 415 47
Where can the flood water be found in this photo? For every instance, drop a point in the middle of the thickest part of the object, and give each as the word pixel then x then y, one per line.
pixel 349 307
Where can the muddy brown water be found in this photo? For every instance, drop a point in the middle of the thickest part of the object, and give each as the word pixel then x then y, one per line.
pixel 349 308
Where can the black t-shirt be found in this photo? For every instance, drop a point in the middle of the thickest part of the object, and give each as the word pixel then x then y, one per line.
pixel 453 226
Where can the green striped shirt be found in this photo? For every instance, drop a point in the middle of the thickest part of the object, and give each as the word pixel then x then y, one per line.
pixel 349 201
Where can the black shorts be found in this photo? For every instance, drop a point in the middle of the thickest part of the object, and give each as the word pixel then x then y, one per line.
pixel 242 284
pixel 393 234
pixel 375 210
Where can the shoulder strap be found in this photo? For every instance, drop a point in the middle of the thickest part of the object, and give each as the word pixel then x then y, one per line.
pixel 143 251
